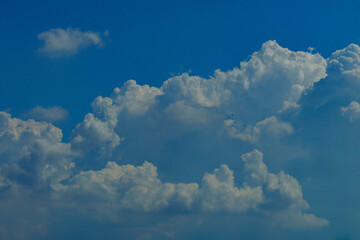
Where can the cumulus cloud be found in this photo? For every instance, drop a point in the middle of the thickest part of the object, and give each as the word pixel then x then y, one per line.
pixel 342 83
pixel 60 42
pixel 245 102
pixel 346 61
pixel 49 114
pixel 107 169
pixel 92 134
pixel 352 111
pixel 271 80
pixel 139 189
pixel 36 158
pixel 32 154
pixel 270 126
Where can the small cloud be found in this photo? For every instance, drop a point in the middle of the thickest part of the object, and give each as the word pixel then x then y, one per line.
pixel 352 111
pixel 50 114
pixel 60 42
pixel 311 49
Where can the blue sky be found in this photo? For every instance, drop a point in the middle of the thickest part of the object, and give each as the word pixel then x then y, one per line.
pixel 152 40
pixel 243 121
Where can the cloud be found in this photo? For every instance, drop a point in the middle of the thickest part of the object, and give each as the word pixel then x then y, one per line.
pixel 60 42
pixel 352 111
pixel 271 79
pixel 139 188
pixel 250 99
pixel 270 126
pixel 151 153
pixel 49 114
pixel 37 160
pixel 32 154
pixel 342 84
pixel 92 134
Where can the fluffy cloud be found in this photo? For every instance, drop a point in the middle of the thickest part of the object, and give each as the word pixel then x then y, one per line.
pixel 93 134
pixel 250 100
pixel 352 111
pixel 189 122
pixel 139 189
pixel 35 158
pixel 346 61
pixel 270 126
pixel 342 84
pixel 64 42
pixel 272 80
pixel 49 114
pixel 32 154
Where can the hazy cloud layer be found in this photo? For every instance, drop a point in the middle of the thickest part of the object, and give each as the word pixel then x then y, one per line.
pixel 49 114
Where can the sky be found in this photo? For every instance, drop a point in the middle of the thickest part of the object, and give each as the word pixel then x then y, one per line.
pixel 179 119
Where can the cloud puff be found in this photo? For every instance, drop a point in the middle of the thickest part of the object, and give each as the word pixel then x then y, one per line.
pixel 270 126
pixel 139 189
pixel 342 84
pixel 60 42
pixel 35 158
pixel 186 125
pixel 92 134
pixel 249 98
pixel 346 61
pixel 271 80
pixel 32 154
pixel 352 111
pixel 49 114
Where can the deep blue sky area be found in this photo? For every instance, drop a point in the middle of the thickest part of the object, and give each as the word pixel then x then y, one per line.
pixel 149 41
pixel 300 110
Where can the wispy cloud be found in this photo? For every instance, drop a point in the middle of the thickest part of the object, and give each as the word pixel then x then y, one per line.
pixel 60 42
pixel 50 114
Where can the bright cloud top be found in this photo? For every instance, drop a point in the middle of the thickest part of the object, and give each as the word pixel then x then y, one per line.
pixel 245 102
pixel 60 42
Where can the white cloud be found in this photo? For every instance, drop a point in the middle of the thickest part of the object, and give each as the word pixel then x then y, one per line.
pixel 189 122
pixel 270 126
pixel 139 188
pixel 135 99
pixel 92 134
pixel 32 154
pixel 343 80
pixel 60 42
pixel 341 86
pixel 352 111
pixel 346 61
pixel 49 114
pixel 271 81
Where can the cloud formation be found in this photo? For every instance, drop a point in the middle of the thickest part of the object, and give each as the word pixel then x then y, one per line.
pixel 32 154
pixel 245 102
pixel 60 42
pixel 139 188
pixel 142 150
pixel 352 111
